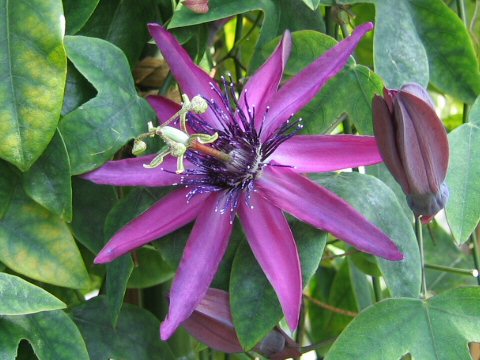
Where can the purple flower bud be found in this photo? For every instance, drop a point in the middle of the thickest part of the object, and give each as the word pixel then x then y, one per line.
pixel 414 146
pixel 212 324
pixel 197 6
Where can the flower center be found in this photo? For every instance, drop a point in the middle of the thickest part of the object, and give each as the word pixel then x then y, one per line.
pixel 238 138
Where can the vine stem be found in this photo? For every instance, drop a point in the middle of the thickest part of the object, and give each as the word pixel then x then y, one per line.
pixel 468 272
pixel 476 253
pixel 418 232
pixel 461 11
pixel 330 307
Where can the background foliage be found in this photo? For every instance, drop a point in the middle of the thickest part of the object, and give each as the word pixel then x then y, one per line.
pixel 74 77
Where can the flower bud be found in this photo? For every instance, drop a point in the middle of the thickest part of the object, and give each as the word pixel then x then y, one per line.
pixel 212 324
pixel 197 6
pixel 139 147
pixel 414 146
pixel 198 105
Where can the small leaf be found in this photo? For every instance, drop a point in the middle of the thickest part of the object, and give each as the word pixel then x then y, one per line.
pixel 33 77
pixel 48 180
pixel 19 297
pixel 463 207
pixel 438 328
pixel 136 335
pixel 52 334
pixel 35 243
pixel 96 130
pixel 77 13
pixel 378 204
pixel 312 4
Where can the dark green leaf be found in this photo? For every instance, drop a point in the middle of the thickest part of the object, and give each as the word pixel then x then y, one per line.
pixel 438 328
pixel 136 335
pixel 123 23
pixel 150 269
pixel 7 186
pixel 77 13
pixel 19 297
pixel 452 63
pixel 77 91
pixel 32 69
pixel 463 207
pixel 252 296
pixel 52 334
pixel 378 204
pixel 35 243
pixel 91 204
pixel 48 180
pixel 97 129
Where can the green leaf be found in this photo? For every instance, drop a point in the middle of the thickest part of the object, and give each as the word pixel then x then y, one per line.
pixel 48 180
pixel 277 18
pixel 438 328
pixel 439 250
pixel 77 13
pixel 400 56
pixel 91 205
pixel 7 186
pixel 452 63
pixel 97 129
pixel 19 297
pixel 312 4
pixel 150 269
pixel 35 243
pixel 32 68
pixel 350 92
pixel 124 24
pixel 463 207
pixel 378 204
pixel 52 334
pixel 341 295
pixel 252 296
pixel 77 91
pixel 136 335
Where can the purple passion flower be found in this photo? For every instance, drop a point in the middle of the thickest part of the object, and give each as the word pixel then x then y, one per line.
pixel 262 179
pixel 414 146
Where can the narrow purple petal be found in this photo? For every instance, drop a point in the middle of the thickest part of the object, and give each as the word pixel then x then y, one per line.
pixel 130 172
pixel 201 258
pixel 385 133
pixel 301 89
pixel 274 247
pixel 192 79
pixel 424 142
pixel 212 323
pixel 168 214
pixel 323 209
pixel 261 87
pixel 165 108
pixel 317 153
